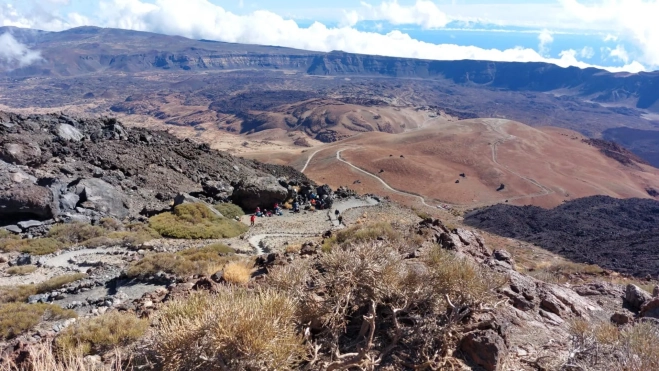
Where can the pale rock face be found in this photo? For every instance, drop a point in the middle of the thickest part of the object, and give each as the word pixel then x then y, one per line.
pixel 68 132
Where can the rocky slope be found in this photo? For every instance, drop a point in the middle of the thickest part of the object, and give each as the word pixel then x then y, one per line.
pixel 621 235
pixel 55 166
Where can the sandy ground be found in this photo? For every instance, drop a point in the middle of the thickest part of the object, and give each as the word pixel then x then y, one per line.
pixel 537 166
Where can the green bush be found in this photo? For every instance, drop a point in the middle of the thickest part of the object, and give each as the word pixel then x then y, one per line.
pixel 36 246
pixel 74 233
pixel 16 318
pixel 230 210
pixel 195 221
pixel 103 333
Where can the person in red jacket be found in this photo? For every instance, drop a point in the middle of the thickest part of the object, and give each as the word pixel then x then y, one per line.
pixel 252 219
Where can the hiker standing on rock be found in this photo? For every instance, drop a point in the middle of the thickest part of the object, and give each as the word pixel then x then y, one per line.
pixel 252 219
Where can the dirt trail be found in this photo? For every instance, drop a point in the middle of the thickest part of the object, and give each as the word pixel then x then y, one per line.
pixel 495 125
pixel 387 186
pixel 307 224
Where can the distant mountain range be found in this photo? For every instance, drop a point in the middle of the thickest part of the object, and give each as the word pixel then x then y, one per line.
pixel 130 72
pixel 90 49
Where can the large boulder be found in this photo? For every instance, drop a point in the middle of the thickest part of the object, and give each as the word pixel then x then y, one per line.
pixel 22 201
pixel 636 297
pixel 485 349
pixel 258 191
pixel 20 152
pixel 103 197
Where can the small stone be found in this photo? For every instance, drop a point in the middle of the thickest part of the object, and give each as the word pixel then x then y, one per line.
pixel 621 318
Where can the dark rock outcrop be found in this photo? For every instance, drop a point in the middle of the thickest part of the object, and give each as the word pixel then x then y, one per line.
pixel 258 191
pixel 612 233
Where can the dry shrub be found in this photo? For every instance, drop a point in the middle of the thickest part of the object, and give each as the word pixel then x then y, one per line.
pixel 75 233
pixel 195 221
pixel 36 246
pixel 43 358
pixel 16 318
pixel 237 273
pixel 603 346
pixel 366 299
pixel 102 333
pixel 195 261
pixel 21 270
pixel 111 224
pixel 358 234
pixel 464 282
pixel 229 210
pixel 235 329
pixel 20 293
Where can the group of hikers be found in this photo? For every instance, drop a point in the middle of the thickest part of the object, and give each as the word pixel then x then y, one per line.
pixel 313 200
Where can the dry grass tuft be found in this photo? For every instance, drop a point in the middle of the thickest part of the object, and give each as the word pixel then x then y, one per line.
pixel 195 221
pixel 195 261
pixel 75 233
pixel 43 358
pixel 364 233
pixel 102 333
pixel 234 329
pixel 603 346
pixel 20 293
pixel 36 246
pixel 16 318
pixel 237 273
pixel 21 270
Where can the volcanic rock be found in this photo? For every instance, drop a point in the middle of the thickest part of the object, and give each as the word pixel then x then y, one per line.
pixel 258 191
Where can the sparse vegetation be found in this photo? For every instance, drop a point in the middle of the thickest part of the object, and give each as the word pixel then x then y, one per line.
pixel 16 318
pixel 361 234
pixel 42 357
pixel 74 233
pixel 21 270
pixel 229 210
pixel 20 293
pixel 603 346
pixel 36 246
pixel 237 273
pixel 100 334
pixel 368 289
pixel 196 261
pixel 195 221
pixel 236 328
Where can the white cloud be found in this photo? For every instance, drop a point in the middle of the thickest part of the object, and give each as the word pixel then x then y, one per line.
pixel 587 52
pixel 610 37
pixel 201 19
pixel 423 13
pixel 545 38
pixel 619 53
pixel 14 54
pixel 635 20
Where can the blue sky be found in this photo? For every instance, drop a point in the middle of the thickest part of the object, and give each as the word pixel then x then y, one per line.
pixel 614 34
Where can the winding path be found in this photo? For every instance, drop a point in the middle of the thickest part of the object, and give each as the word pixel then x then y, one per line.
pixel 387 186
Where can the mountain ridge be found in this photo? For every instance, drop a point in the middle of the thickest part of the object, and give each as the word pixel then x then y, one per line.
pixel 151 51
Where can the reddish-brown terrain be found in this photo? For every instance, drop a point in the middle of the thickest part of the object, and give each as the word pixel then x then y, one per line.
pixel 536 166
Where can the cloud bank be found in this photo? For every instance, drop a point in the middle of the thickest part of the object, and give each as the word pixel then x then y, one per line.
pixel 14 54
pixel 201 19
